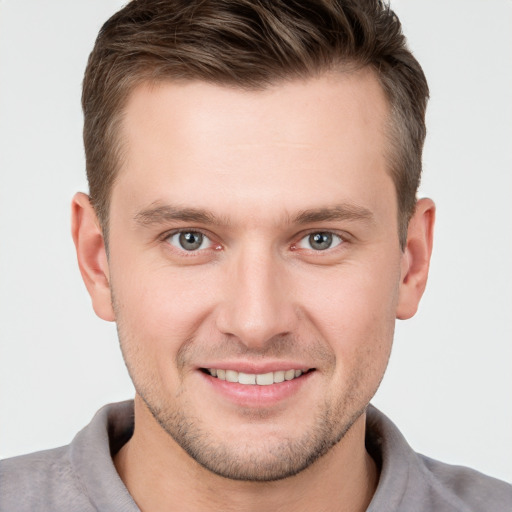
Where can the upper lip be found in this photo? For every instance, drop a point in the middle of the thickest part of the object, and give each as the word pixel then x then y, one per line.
pixel 257 367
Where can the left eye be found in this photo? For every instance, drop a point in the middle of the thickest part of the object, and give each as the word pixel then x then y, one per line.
pixel 320 241
pixel 189 240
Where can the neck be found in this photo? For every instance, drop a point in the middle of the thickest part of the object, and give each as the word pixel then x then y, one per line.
pixel 161 477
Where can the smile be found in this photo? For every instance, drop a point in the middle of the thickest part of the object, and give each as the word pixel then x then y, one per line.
pixel 256 379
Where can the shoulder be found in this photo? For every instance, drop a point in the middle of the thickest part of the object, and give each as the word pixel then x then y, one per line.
pixel 80 476
pixel 40 481
pixel 410 481
pixel 466 487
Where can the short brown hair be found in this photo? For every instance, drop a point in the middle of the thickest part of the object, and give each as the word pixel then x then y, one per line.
pixel 250 44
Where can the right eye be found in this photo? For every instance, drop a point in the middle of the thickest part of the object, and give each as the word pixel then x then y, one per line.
pixel 189 241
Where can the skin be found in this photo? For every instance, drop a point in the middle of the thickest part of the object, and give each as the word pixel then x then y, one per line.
pixel 266 169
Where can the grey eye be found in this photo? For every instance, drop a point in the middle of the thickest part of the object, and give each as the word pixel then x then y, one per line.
pixel 320 241
pixel 189 240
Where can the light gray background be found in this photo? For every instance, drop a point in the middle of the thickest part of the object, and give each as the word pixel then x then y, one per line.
pixel 449 383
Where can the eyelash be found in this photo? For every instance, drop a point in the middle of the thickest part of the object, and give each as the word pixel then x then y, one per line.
pixel 166 236
pixel 342 239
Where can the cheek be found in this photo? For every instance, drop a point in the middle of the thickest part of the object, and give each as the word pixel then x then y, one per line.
pixel 161 305
pixel 156 315
pixel 358 325
pixel 352 296
pixel 354 312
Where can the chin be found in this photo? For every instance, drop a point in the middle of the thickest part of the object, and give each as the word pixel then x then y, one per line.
pixel 267 455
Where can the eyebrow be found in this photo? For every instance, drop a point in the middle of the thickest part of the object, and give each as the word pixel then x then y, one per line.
pixel 161 214
pixel 336 213
pixel 167 213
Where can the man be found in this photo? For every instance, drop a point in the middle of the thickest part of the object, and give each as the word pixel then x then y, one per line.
pixel 253 229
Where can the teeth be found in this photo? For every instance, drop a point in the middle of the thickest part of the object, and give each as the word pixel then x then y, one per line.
pixel 288 375
pixel 261 379
pixel 246 378
pixel 278 377
pixel 231 376
pixel 265 379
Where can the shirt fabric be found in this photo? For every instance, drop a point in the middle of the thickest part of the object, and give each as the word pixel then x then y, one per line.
pixel 81 477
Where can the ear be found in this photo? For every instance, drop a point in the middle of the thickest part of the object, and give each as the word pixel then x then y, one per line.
pixel 416 258
pixel 91 254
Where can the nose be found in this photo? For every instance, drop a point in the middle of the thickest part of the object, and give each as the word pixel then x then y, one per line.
pixel 259 301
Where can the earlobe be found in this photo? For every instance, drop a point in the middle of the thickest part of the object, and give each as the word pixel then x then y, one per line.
pixel 91 255
pixel 416 259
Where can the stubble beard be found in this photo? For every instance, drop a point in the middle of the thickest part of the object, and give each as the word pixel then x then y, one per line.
pixel 271 458
pixel 269 461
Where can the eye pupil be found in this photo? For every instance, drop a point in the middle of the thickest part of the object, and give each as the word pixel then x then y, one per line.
pixel 320 241
pixel 191 240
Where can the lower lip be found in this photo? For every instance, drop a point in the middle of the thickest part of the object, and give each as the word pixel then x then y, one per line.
pixel 247 395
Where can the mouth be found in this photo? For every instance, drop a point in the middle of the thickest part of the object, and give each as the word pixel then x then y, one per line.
pixel 256 379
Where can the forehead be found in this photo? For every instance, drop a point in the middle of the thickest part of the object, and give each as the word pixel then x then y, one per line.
pixel 274 112
pixel 281 144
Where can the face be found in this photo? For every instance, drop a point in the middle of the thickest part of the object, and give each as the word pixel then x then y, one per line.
pixel 255 265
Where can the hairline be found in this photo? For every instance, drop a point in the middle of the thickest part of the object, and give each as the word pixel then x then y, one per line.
pixel 392 151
